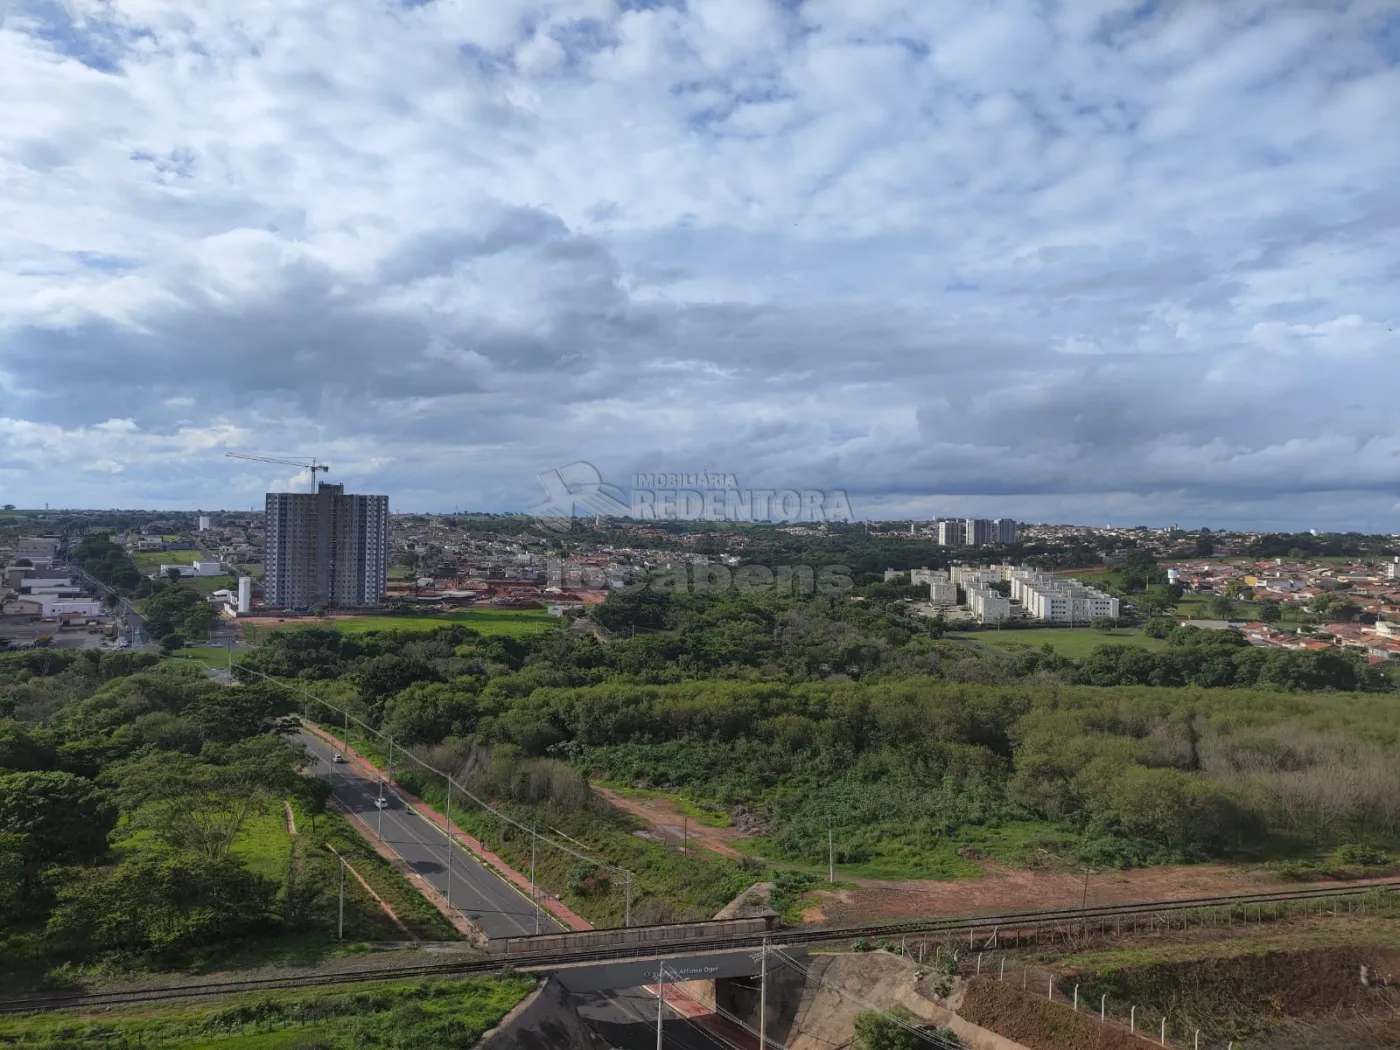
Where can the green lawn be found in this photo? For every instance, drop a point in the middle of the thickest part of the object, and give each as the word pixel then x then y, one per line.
pixel 208 655
pixel 204 586
pixel 1074 642
pixel 514 623
pixel 151 561
pixel 401 1013
pixel 264 844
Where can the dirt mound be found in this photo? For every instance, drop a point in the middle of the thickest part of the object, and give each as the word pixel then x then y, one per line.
pixel 1039 1023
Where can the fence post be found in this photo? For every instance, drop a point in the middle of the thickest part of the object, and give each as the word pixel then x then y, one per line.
pixel 979 965
pixel 1103 1001
pixel 1001 974
pixel 1076 998
pixel 1132 1020
pixel 1163 1039
pixel 1050 989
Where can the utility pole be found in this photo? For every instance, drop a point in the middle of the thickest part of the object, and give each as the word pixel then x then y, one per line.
pixel 660 1001
pixel 830 856
pixel 685 832
pixel 340 926
pixel 1084 902
pixel 763 996
pixel 534 896
pixel 627 906
pixel 345 734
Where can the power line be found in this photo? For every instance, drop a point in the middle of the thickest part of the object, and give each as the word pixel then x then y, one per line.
pixel 505 818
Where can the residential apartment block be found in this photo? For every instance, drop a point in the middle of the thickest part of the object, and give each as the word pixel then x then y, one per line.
pixel 987 605
pixel 951 533
pixel 326 549
pixel 1058 600
pixel 975 532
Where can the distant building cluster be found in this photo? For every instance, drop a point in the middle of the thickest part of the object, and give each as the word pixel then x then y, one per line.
pixel 975 532
pixel 981 593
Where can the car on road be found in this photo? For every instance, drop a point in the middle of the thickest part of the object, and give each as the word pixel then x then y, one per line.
pixel 337 757
pixel 381 802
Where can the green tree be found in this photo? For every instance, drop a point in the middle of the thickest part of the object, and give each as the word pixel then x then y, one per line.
pixel 1270 612
pixel 1221 607
pixel 429 712
pixel 12 865
pixel 201 806
pixel 63 818
pixel 158 902
pixel 880 1031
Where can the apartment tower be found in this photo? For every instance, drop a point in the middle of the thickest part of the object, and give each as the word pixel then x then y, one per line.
pixel 326 549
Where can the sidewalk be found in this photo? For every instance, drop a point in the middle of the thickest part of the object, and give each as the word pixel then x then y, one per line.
pixel 490 860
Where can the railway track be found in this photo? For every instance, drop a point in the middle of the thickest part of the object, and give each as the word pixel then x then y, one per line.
pixel 557 956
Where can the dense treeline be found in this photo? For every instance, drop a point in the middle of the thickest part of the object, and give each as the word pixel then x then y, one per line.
pixel 849 716
pixel 124 787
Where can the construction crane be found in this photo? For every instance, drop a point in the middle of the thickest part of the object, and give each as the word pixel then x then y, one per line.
pixel 312 466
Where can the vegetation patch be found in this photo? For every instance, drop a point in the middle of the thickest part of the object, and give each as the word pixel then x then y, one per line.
pixel 422 1014
pixel 1035 1022
pixel 1240 996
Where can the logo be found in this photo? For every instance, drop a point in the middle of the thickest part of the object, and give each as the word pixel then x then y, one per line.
pixel 577 490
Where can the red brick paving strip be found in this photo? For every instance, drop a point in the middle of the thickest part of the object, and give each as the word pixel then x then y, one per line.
pixel 493 862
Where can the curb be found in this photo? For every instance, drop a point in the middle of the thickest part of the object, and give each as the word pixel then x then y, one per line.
pixel 491 861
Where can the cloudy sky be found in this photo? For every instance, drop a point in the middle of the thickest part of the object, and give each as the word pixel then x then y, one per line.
pixel 1085 260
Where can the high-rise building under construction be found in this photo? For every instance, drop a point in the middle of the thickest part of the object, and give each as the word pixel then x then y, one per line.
pixel 326 549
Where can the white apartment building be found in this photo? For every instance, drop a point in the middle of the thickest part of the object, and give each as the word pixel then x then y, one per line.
pixel 987 605
pixel 1058 600
pixel 951 533
pixel 918 577
pixel 966 576
pixel 941 592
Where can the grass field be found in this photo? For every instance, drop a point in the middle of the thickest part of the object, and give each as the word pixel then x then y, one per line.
pixel 208 655
pixel 387 1014
pixel 1074 642
pixel 151 561
pixel 513 623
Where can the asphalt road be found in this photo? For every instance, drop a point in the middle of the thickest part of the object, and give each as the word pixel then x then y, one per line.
pixel 492 904
pixel 626 1019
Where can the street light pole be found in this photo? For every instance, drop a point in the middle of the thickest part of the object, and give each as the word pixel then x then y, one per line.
pixel 763 996
pixel 534 896
pixel 660 1001
pixel 340 926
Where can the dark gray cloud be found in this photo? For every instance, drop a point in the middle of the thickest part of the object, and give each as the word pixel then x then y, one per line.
pixel 1115 266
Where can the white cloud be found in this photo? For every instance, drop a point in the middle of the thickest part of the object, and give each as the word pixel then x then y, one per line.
pixel 1055 264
